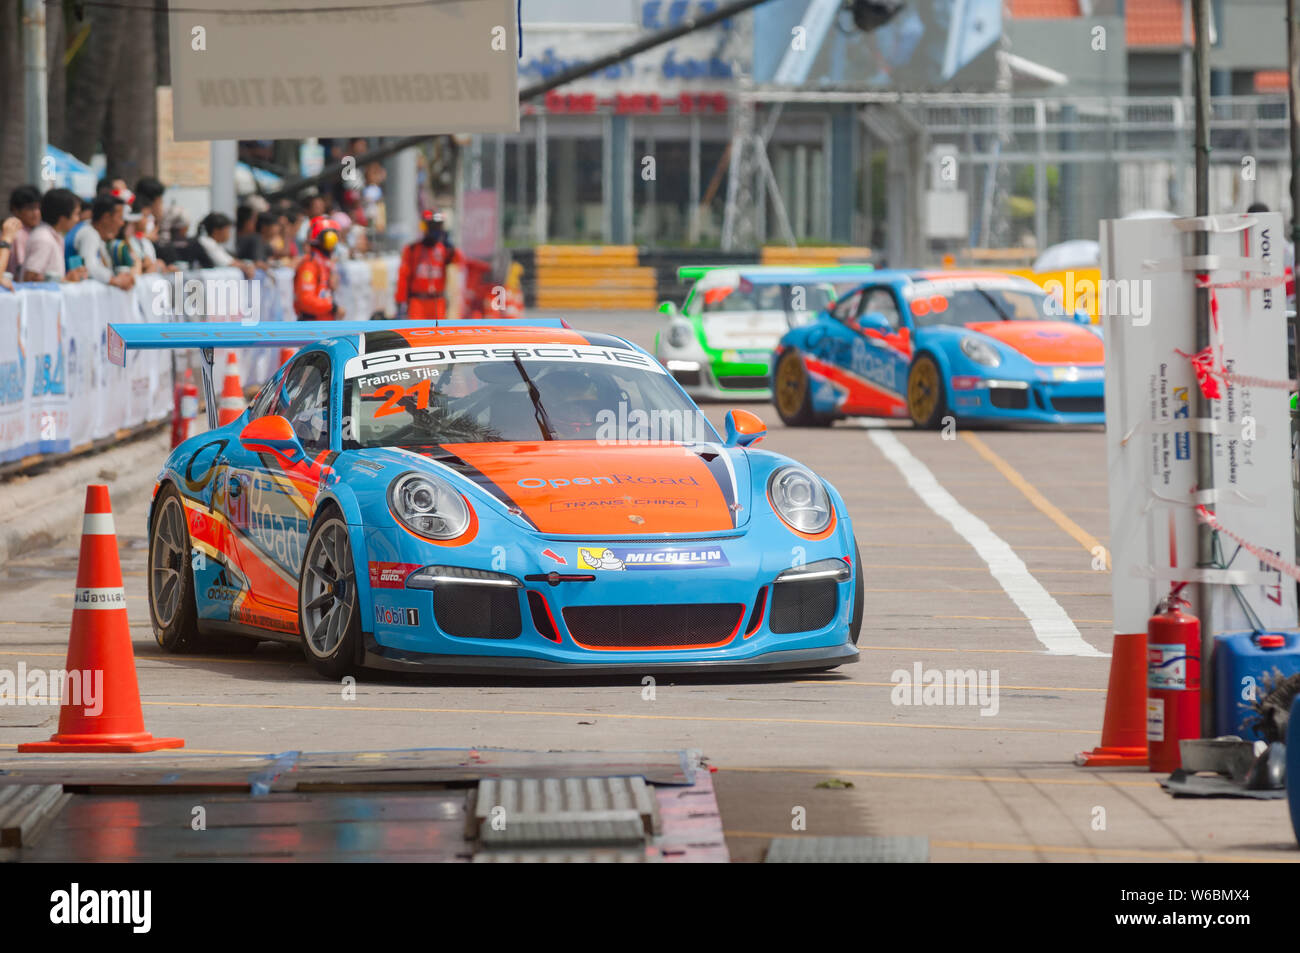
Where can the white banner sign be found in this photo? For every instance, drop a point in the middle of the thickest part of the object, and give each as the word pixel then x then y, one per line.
pixel 240 71
pixel 59 391
pixel 1148 306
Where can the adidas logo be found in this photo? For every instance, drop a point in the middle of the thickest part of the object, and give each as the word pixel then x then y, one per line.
pixel 223 588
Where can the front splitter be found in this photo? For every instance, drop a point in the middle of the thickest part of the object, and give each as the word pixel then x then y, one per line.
pixel 792 660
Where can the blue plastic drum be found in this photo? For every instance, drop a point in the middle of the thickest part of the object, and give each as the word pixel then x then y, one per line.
pixel 1293 769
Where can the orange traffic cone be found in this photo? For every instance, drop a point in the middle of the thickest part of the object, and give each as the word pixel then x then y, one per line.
pixel 1124 730
pixel 106 717
pixel 232 393
pixel 286 354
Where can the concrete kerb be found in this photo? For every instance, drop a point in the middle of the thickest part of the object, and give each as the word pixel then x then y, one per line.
pixel 45 508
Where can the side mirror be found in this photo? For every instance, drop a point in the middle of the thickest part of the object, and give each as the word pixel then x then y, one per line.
pixel 668 308
pixel 272 434
pixel 744 428
pixel 873 321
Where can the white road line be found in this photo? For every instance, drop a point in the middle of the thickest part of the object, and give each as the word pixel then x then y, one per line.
pixel 1051 624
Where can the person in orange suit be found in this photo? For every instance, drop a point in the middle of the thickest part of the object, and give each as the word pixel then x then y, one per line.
pixel 422 277
pixel 314 280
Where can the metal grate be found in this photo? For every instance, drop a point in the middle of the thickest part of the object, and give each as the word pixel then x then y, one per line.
pixel 744 382
pixel 1005 398
pixel 539 814
pixel 671 626
pixel 849 850
pixel 803 606
pixel 477 612
pixel 1079 405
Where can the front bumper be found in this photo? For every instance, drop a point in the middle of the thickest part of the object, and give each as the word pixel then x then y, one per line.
pixel 611 620
pixel 791 660
pixel 720 375
pixel 1079 402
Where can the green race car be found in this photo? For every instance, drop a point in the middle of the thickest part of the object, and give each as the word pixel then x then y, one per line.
pixel 719 345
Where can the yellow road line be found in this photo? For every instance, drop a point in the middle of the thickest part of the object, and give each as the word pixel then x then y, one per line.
pixel 938 523
pixel 940 590
pixel 1068 549
pixel 1189 856
pixel 984 569
pixel 930 589
pixel 1018 688
pixel 918 648
pixel 1040 502
pixel 169 660
pixel 1082 781
pixel 619 716
pixel 184 751
pixel 1009 618
pixel 1184 855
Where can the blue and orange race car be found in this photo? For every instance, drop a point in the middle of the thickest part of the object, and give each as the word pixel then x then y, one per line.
pixel 928 345
pixel 520 498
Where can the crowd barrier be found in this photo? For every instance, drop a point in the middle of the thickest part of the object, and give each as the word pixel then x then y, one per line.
pixel 60 395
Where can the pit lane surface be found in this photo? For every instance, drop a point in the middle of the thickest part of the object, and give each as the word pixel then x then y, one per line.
pixel 980 787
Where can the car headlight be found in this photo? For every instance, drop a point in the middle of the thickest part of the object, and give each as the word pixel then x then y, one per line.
pixel 679 335
pixel 428 506
pixel 980 351
pixel 800 499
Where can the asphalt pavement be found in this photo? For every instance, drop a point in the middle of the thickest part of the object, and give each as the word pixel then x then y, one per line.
pixel 840 753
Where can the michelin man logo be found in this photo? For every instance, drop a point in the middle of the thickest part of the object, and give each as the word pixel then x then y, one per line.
pixel 598 559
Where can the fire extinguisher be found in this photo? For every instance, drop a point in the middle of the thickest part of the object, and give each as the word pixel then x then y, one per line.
pixel 1173 681
pixel 185 408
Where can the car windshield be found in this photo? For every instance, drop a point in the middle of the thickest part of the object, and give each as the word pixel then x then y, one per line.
pixel 790 297
pixel 974 302
pixel 430 396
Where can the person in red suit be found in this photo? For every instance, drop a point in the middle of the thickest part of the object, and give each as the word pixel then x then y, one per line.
pixel 422 277
pixel 314 279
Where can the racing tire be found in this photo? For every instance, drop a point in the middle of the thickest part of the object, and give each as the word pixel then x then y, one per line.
pixel 927 399
pixel 792 393
pixel 329 619
pixel 859 594
pixel 172 606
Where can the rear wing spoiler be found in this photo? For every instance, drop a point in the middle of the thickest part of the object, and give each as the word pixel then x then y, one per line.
pixel 775 274
pixel 206 335
pixel 209 335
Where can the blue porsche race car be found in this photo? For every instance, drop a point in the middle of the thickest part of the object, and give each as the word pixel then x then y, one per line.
pixel 973 346
pixel 517 498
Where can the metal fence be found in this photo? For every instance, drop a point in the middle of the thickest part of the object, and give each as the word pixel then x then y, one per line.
pixel 1033 172
pixel 1026 173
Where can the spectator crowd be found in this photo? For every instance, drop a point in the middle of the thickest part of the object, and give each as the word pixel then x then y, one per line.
pixel 120 233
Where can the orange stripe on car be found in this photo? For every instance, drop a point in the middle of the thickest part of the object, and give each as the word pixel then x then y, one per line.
pixel 584 487
pixel 1046 342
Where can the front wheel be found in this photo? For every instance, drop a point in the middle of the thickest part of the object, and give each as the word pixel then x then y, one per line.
pixel 792 393
pixel 927 403
pixel 328 616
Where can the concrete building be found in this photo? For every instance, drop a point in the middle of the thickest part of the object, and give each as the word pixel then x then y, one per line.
pixel 641 153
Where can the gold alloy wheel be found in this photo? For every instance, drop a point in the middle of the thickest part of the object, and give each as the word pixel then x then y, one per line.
pixel 923 391
pixel 791 385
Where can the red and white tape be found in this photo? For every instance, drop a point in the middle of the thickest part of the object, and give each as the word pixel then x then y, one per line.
pixel 1266 556
pixel 1250 284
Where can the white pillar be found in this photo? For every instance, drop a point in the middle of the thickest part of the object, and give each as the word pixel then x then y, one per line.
pixel 401 199
pixel 224 154
pixel 35 86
